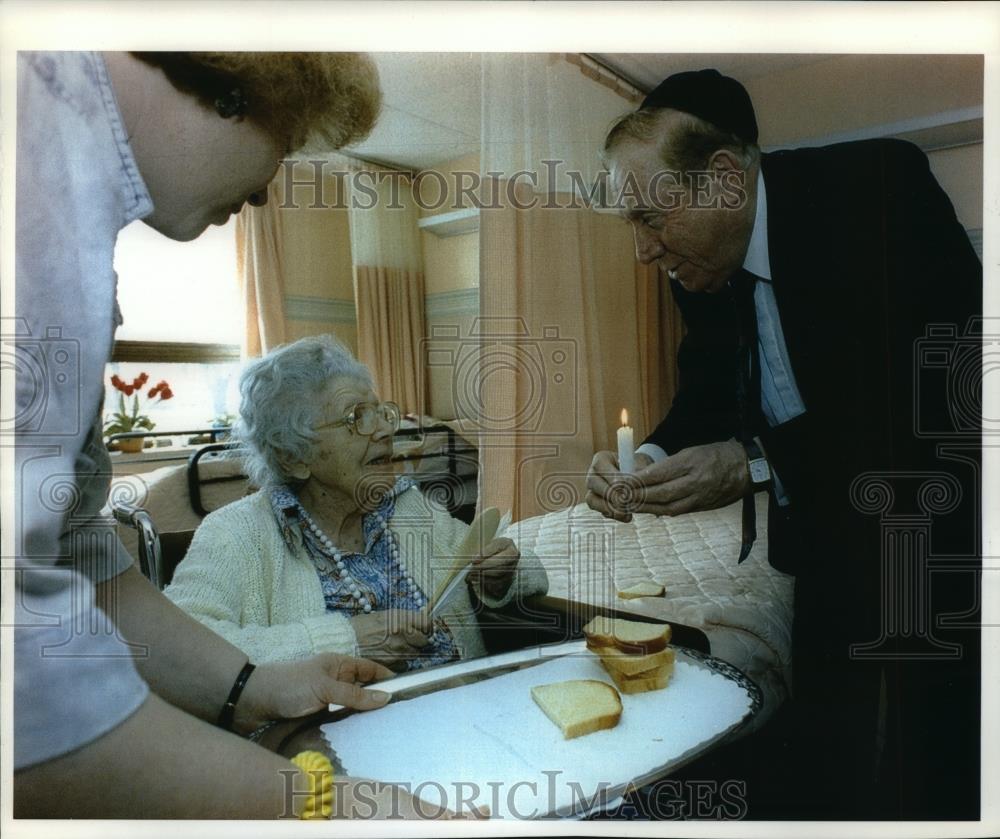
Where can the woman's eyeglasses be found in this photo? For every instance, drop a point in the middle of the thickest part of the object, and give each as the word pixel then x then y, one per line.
pixel 364 418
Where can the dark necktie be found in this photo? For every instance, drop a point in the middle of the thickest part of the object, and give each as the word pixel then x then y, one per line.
pixel 747 387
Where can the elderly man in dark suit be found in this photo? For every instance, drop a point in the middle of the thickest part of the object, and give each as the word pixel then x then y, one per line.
pixel 810 281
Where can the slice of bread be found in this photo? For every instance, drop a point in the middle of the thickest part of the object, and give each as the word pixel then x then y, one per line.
pixel 580 706
pixel 652 673
pixel 645 684
pixel 642 590
pixel 629 636
pixel 623 664
pixel 600 632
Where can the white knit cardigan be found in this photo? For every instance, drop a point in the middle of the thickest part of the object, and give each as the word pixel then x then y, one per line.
pixel 240 579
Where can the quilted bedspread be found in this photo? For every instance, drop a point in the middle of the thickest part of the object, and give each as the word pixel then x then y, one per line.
pixel 744 610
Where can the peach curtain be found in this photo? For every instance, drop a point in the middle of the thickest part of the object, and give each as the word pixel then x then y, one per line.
pixel 261 275
pixel 389 286
pixel 390 304
pixel 573 328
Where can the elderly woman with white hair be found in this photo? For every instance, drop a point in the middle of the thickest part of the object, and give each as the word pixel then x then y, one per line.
pixel 335 553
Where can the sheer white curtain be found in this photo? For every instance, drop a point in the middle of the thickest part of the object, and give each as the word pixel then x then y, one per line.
pixel 571 328
pixel 388 282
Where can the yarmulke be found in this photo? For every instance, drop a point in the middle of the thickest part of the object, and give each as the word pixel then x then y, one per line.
pixel 708 94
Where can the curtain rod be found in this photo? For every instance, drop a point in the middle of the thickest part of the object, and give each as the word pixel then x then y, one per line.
pixel 597 70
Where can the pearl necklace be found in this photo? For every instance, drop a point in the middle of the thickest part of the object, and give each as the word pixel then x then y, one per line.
pixel 340 567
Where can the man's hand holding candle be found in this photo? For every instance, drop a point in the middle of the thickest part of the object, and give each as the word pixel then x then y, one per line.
pixel 605 475
pixel 697 478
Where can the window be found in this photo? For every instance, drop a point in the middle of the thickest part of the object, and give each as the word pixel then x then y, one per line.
pixel 182 319
pixel 178 291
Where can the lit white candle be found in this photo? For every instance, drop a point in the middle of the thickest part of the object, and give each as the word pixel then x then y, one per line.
pixel 626 446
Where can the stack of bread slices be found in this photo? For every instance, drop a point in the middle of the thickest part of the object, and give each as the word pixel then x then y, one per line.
pixel 635 654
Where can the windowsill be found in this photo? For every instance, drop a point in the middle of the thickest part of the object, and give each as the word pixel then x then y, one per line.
pixel 155 457
pixel 175 352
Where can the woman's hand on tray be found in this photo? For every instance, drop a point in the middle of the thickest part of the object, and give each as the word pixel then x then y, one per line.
pixel 291 689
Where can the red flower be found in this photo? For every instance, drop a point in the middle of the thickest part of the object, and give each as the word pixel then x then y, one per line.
pixel 128 418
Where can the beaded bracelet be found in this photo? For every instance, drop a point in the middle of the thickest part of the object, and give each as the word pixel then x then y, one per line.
pixel 318 769
pixel 229 709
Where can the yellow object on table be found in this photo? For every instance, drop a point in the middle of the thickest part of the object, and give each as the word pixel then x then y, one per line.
pixel 319 771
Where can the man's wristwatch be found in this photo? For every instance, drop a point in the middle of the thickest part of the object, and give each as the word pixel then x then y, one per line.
pixel 760 471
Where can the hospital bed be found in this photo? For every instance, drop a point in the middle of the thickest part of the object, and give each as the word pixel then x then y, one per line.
pixel 745 611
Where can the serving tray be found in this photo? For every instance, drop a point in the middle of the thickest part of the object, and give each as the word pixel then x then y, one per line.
pixel 473 724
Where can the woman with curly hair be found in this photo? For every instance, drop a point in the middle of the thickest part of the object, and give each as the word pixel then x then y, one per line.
pixel 335 553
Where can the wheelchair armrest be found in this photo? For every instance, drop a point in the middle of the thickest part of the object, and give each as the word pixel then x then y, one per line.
pixel 159 553
pixel 150 557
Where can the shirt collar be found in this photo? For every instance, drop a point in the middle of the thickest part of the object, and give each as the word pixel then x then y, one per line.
pixel 757 259
pixel 137 202
pixel 285 506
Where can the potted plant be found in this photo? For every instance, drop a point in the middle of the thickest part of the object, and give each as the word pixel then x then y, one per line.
pixel 220 421
pixel 125 420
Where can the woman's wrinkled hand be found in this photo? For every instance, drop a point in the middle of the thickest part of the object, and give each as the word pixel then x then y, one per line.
pixel 493 572
pixel 393 636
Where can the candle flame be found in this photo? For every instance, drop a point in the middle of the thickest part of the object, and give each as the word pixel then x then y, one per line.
pixel 624 417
